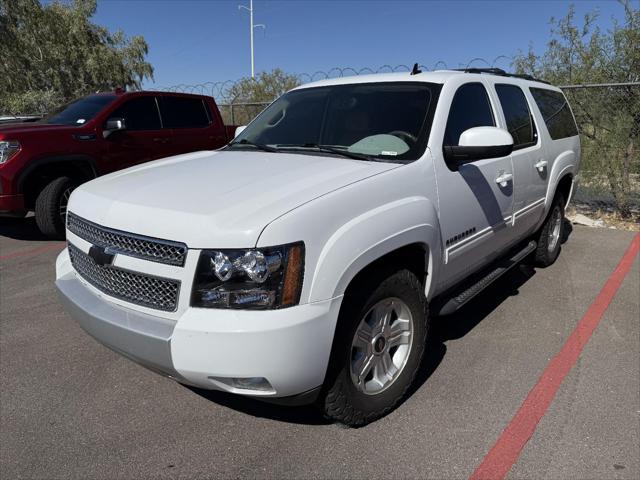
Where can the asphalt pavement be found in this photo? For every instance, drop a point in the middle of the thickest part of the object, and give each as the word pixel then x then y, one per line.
pixel 71 408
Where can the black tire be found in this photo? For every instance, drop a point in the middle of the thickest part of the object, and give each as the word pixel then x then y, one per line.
pixel 341 399
pixel 548 249
pixel 49 205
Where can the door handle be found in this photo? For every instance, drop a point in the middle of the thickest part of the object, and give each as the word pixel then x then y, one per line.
pixel 504 178
pixel 541 165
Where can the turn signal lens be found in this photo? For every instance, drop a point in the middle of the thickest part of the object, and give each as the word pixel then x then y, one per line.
pixel 293 276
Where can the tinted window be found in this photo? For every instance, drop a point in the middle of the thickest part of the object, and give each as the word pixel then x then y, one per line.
pixel 556 113
pixel 375 119
pixel 470 108
pixel 295 118
pixel 516 112
pixel 80 111
pixel 139 113
pixel 182 112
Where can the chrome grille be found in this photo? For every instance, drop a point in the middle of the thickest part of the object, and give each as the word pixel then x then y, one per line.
pixel 141 289
pixel 147 248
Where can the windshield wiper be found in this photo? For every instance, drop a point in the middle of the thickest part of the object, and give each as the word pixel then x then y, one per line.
pixel 259 146
pixel 328 149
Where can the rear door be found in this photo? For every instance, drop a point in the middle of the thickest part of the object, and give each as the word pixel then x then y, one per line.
pixel 475 207
pixel 143 138
pixel 191 123
pixel 531 171
pixel 560 134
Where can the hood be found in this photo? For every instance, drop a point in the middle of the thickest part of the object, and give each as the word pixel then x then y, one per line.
pixel 14 130
pixel 214 199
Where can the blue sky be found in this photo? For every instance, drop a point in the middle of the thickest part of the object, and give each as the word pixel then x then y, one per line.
pixel 208 41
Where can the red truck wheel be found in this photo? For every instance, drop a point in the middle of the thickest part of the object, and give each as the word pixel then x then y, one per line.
pixel 51 207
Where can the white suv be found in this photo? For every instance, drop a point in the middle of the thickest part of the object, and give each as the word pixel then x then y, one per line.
pixel 303 261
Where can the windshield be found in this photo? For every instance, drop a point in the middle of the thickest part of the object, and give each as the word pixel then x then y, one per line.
pixel 378 120
pixel 81 111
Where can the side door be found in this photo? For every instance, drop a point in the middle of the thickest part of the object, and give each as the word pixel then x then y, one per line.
pixel 191 124
pixel 143 138
pixel 529 159
pixel 475 206
pixel 559 133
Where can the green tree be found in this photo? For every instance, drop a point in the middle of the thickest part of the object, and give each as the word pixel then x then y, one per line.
pixel 266 87
pixel 248 96
pixel 51 54
pixel 608 117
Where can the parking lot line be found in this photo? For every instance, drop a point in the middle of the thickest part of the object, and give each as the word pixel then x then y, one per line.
pixel 505 452
pixel 33 251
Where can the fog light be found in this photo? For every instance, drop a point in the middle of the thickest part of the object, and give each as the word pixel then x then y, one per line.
pixel 252 383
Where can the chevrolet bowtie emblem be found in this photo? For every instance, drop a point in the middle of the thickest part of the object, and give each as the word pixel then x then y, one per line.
pixel 101 255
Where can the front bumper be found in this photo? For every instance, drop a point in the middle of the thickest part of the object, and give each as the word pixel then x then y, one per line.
pixel 203 347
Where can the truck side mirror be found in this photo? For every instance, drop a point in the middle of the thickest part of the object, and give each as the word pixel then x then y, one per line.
pixel 113 125
pixel 478 143
pixel 240 129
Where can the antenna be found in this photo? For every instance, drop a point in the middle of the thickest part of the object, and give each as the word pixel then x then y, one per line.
pixel 415 69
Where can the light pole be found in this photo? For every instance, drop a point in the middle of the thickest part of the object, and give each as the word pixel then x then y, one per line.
pixel 251 27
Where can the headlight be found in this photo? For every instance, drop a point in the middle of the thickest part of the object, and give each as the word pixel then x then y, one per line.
pixel 8 148
pixel 262 278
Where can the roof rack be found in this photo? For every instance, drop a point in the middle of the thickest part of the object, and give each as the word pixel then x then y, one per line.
pixel 500 72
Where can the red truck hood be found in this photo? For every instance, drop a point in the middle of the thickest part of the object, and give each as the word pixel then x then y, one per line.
pixel 15 130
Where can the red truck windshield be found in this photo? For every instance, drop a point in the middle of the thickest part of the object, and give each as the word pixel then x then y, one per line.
pixel 80 111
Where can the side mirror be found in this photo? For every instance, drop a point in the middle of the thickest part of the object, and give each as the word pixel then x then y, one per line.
pixel 240 129
pixel 478 143
pixel 113 125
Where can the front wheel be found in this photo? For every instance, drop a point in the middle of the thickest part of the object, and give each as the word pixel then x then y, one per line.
pixel 51 207
pixel 380 341
pixel 550 235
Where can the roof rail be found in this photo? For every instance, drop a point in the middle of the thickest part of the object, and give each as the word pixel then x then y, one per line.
pixel 500 72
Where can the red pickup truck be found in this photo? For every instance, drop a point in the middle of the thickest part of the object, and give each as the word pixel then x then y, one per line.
pixel 42 162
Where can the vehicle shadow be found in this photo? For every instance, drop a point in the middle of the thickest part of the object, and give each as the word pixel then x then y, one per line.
pixel 21 229
pixel 443 329
pixel 306 414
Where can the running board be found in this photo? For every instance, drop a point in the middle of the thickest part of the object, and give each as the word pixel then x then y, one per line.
pixel 466 292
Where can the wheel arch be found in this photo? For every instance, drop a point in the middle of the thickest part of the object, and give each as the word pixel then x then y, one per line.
pixel 565 187
pixel 561 179
pixel 40 172
pixel 415 257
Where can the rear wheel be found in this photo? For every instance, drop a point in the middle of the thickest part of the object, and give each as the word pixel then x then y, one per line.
pixel 550 235
pixel 51 207
pixel 379 345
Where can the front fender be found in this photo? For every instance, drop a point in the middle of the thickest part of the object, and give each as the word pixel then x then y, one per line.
pixel 342 235
pixel 369 237
pixel 349 228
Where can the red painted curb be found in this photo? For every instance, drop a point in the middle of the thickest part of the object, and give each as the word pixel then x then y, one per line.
pixel 33 251
pixel 504 454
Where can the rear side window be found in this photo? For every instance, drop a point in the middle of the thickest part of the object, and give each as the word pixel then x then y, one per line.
pixel 139 113
pixel 516 112
pixel 182 112
pixel 470 108
pixel 556 113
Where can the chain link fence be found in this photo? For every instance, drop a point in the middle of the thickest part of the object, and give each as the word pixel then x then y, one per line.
pixel 608 117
